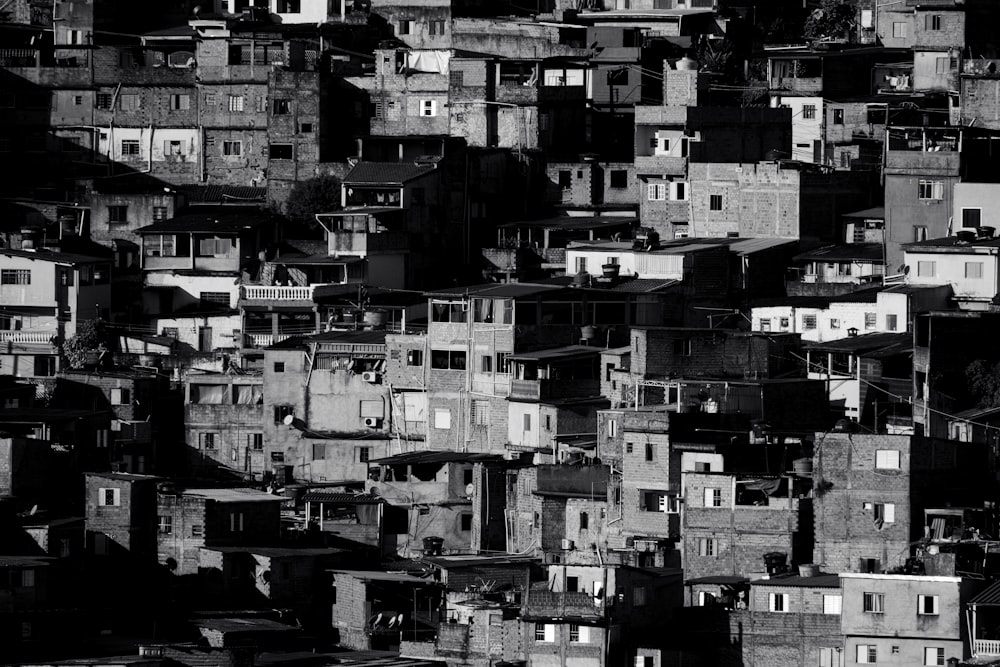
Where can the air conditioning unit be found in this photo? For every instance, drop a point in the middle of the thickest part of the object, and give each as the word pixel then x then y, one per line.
pixel 373 422
pixel 371 377
pixel 567 545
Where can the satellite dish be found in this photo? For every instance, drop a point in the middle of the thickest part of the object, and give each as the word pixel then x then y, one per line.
pixel 287 421
pixel 469 488
pixel 34 509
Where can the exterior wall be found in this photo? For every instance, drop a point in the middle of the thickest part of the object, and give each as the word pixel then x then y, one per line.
pixel 140 209
pixel 979 91
pixel 350 611
pixel 936 70
pixel 741 534
pixel 806 132
pixel 232 425
pixel 905 213
pixel 190 328
pixel 300 127
pixel 130 526
pixel 954 269
pixel 850 485
pixel 984 197
pixel 715 354
pixel 641 475
pixel 786 640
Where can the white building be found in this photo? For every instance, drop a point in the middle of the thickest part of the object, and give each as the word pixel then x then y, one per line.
pixel 967 263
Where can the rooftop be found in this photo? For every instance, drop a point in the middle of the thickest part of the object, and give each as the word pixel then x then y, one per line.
pixel 572 223
pixel 559 353
pixel 214 222
pixel 818 581
pixel 359 337
pixel 379 575
pixel 386 173
pixel 865 252
pixel 867 343
pixel 497 290
pixel 234 495
pixel 55 256
pixel 414 458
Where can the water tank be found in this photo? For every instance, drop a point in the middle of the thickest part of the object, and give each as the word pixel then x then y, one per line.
pixel 581 279
pixel 610 270
pixel 965 236
pixel 985 232
pixel 774 562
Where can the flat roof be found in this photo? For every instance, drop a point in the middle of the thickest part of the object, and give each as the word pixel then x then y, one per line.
pixel 559 353
pixel 568 223
pixel 869 252
pixel 280 552
pixel 865 343
pixel 822 580
pixel 718 579
pixel 868 213
pixel 234 495
pixel 476 560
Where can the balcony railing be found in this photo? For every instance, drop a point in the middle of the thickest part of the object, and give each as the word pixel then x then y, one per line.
pixel 43 337
pixel 276 293
pixel 265 340
pixel 986 647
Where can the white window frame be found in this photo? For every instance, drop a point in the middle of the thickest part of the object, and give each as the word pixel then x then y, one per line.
pixel 934 655
pixel 680 186
pixel 867 654
pixel 935 605
pixel 428 108
pixel 926 269
pixel 930 190
pixel 977 269
pixel 656 191
pixel 708 546
pixel 872 602
pixel 232 148
pixel 442 418
pixel 713 497
pixel 833 604
pixel 236 103
pixel 887 459
pixel 777 603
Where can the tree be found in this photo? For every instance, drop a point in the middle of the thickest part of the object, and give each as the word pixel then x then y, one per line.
pixel 316 195
pixel 833 18
pixel 984 382
pixel 90 340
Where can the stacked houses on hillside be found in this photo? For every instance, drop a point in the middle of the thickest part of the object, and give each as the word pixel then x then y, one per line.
pixel 587 333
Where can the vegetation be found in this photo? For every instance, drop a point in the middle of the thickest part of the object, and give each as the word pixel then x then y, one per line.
pixel 316 195
pixel 833 19
pixel 984 382
pixel 90 340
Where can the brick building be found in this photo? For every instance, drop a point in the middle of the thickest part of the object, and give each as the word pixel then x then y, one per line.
pixel 121 516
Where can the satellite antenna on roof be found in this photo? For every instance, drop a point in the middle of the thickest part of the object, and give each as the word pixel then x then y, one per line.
pixel 288 420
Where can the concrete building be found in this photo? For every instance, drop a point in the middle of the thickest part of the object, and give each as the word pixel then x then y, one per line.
pixel 224 424
pixel 121 516
pixel 966 262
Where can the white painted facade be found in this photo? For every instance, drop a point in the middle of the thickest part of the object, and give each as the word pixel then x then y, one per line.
pixel 888 314
pixel 655 265
pixel 149 144
pixel 972 271
pixel 193 286
pixel 976 202
pixel 807 125
pixel 191 328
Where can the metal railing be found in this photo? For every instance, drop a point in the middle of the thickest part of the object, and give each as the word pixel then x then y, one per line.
pixel 277 293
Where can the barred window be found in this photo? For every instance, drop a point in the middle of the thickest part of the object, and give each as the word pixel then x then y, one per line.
pixel 15 277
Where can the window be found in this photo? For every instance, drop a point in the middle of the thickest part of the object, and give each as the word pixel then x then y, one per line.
pixel 565 179
pixel 364 454
pixel 545 632
pixel 282 411
pixel 926 269
pixel 414 357
pixel 130 148
pixel 282 107
pixel 612 428
pixel 27 578
pixel 649 451
pixel 280 151
pixel 261 106
pixel 214 298
pixel 279 367
pixel 486 363
pixel 927 605
pixel 15 277
pixel 832 604
pixel 109 497
pixel 318 451
pixel 919 233
pixel 584 521
pixel 121 396
pixel 974 270
pixel 526 424
pixel 466 522
pixel 656 191
pixel 707 546
pixel 103 101
pixel 628 447
pixel 678 191
pixel 128 102
pixel 236 522
pixel 480 411
pixel 932 21
pixel 941 65
pixel 45 366
pixel 180 102
pixel 197 531
pixel 436 27
pixel 306 128
pixel 930 190
pixel 890 322
pixel 165 525
pixel 713 497
pixel 580 264
pixel 715 202
pixel 777 602
pixel 442 418
pixel 809 111
pixel 405 27
pixel 783 322
pixel 682 347
pixel 232 148
pixel 884 513
pixel 838 116
pixel 873 603
pixel 159 213
pixel 900 30
pixel 289 6
pixel 448 360
pixel 503 362
pixel 619 179
pixel 845 160
pixel 428 108
pixel 972 217
pixel 934 655
pixel 867 653
pixel 255 441
pixel 834 323
pixel 207 441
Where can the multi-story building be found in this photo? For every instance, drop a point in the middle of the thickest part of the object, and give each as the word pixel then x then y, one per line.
pixel 224 424
pixel 966 262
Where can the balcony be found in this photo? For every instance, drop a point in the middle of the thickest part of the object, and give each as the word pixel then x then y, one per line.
pixel 549 604
pixel 276 293
pixel 986 647
pixel 538 390
pixel 37 337
pixel 260 341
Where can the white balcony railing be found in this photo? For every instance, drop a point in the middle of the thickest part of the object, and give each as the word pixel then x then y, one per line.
pixel 277 293
pixel 266 340
pixel 986 647
pixel 43 337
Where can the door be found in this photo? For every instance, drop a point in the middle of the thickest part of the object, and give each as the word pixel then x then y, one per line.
pixel 205 339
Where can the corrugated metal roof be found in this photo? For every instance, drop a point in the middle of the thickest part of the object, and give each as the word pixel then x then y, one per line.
pixel 498 290
pixel 43 255
pixel 201 194
pixel 868 252
pixel 559 353
pixel 386 173
pixel 342 498
pixel 865 344
pixel 819 581
pixel 436 457
pixel 989 597
pixel 230 223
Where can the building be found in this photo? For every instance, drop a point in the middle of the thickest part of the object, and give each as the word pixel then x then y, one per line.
pixel 224 424
pixel 120 516
pixel 966 262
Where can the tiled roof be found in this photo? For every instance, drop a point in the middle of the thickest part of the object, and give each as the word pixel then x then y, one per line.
pixel 229 194
pixel 387 173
